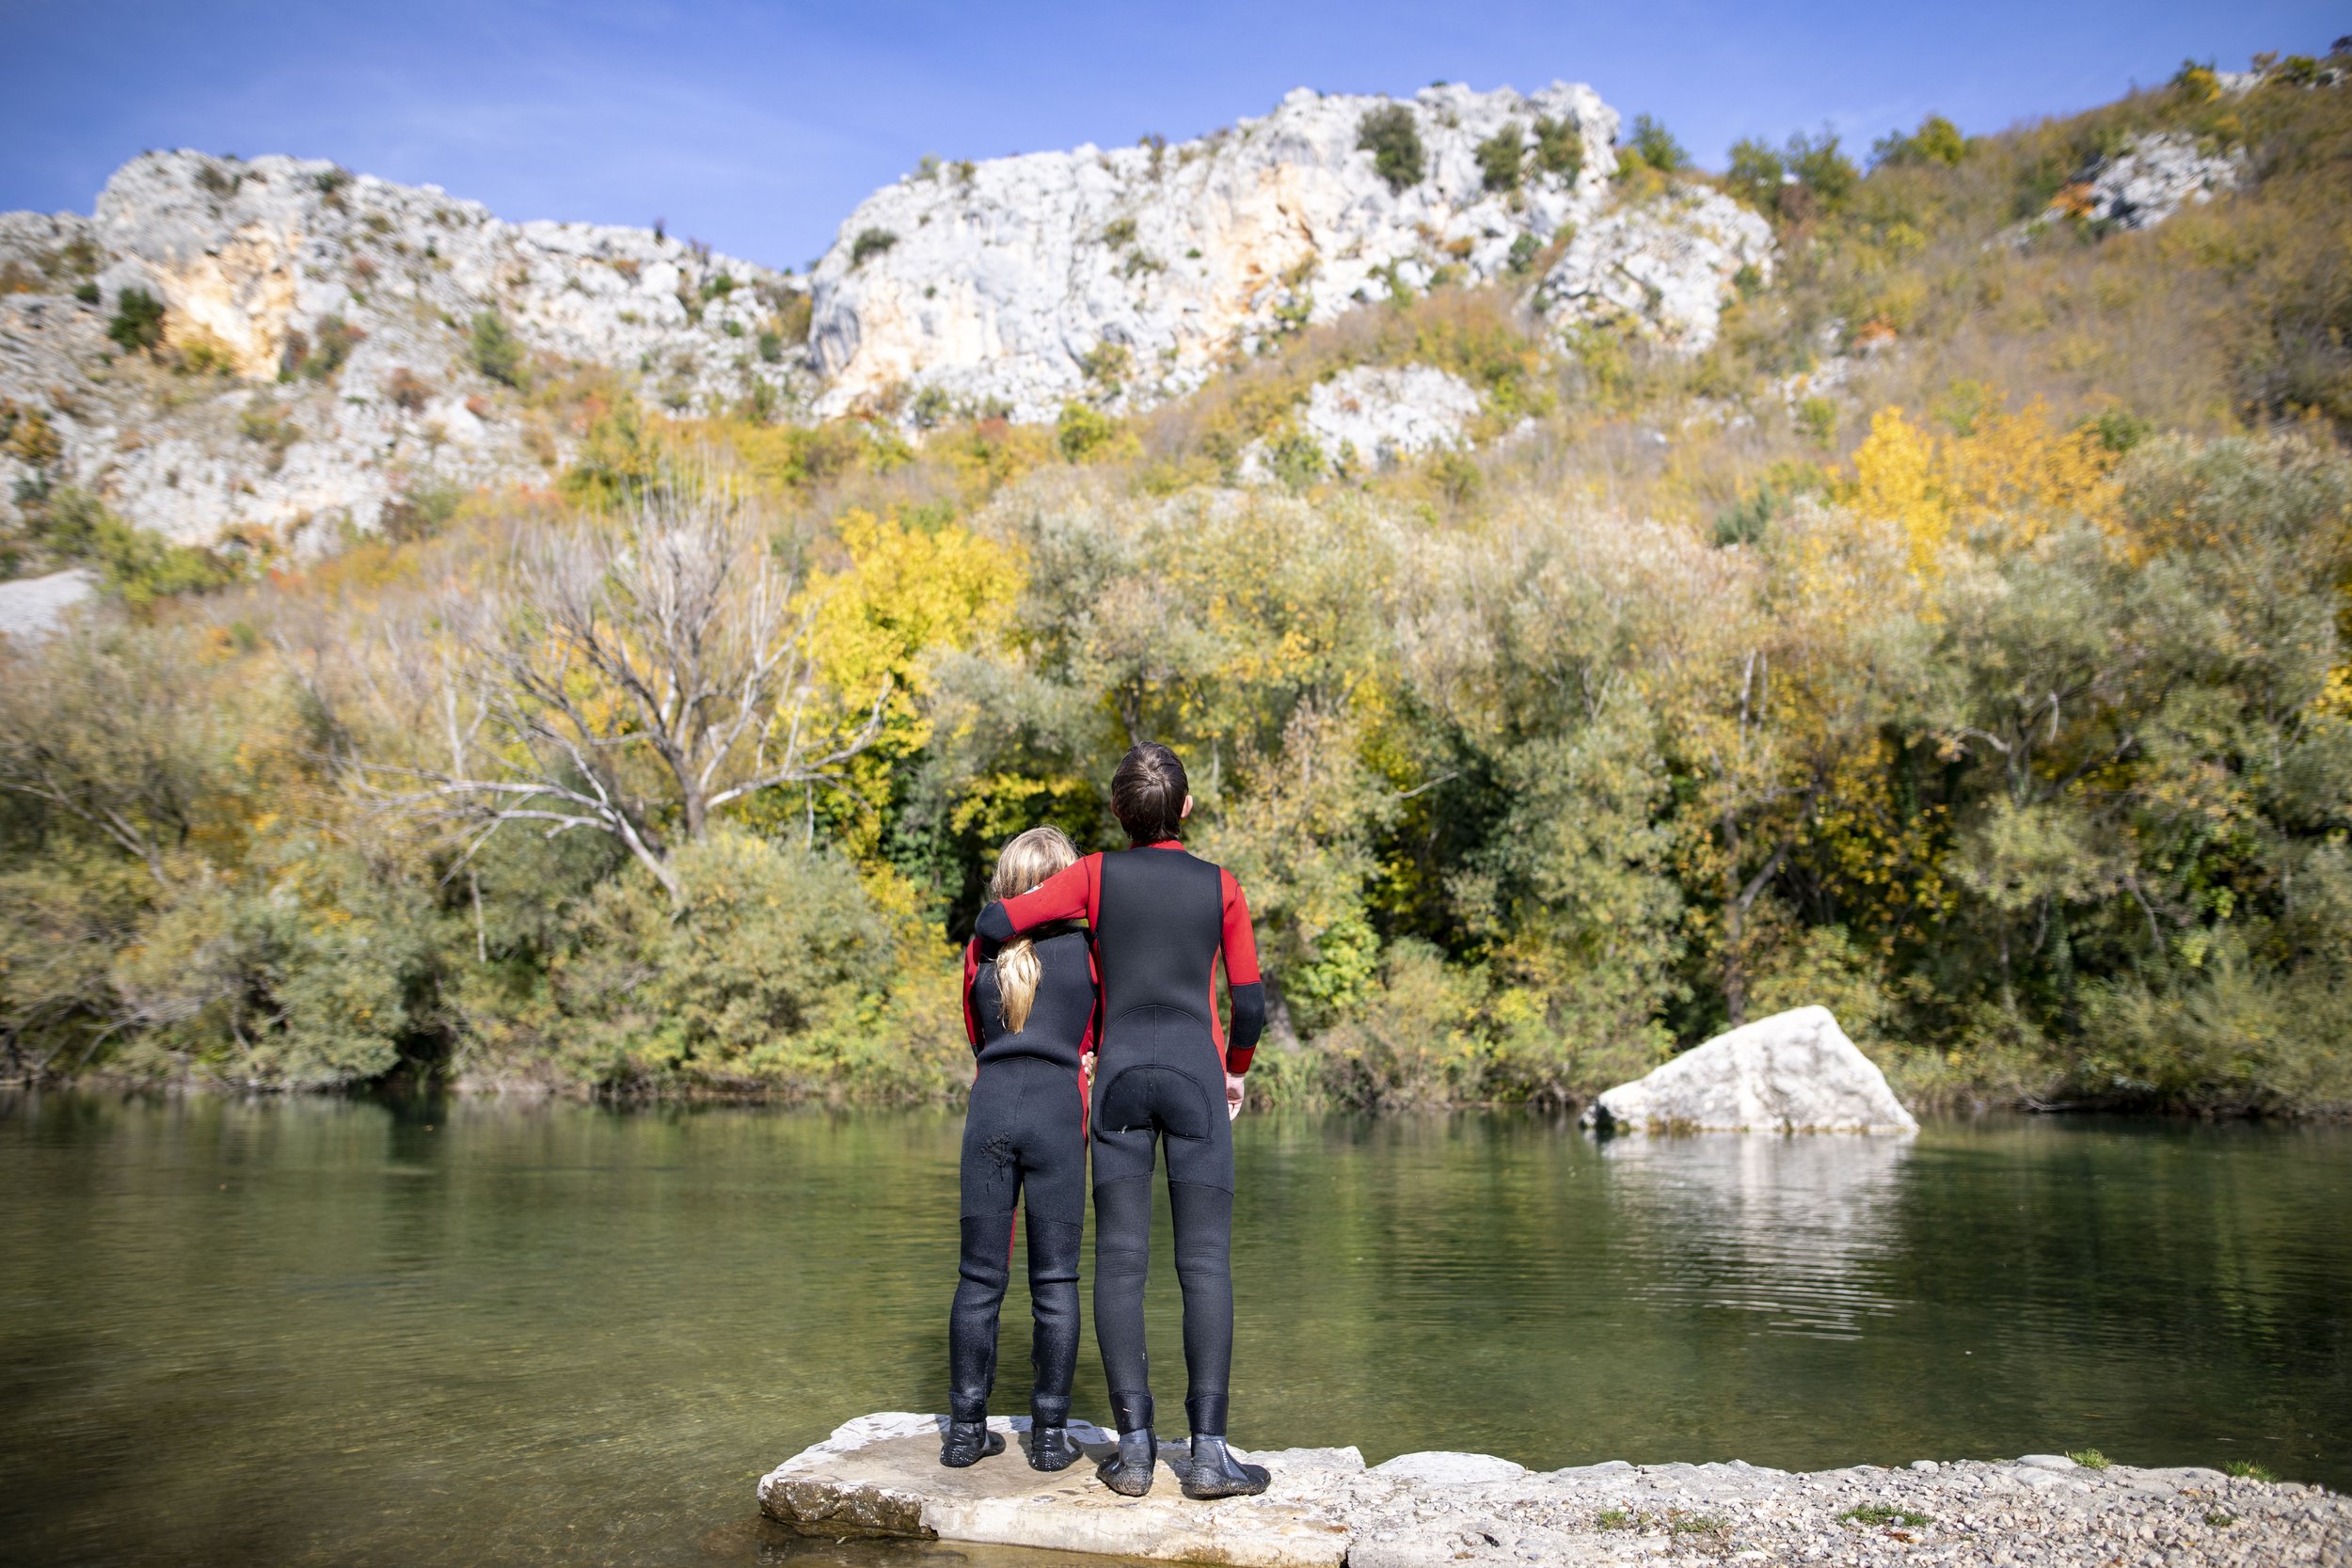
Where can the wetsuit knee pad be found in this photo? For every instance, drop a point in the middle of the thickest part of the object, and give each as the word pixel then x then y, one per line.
pixel 987 1257
pixel 1052 1250
pixel 1203 1222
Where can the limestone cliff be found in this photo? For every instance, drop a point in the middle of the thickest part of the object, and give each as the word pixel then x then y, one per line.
pixel 323 350
pixel 334 345
pixel 1129 274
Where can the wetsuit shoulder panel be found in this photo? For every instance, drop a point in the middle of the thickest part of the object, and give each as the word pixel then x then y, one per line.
pixel 1074 893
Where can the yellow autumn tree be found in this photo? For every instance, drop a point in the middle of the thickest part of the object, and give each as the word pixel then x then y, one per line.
pixel 1999 482
pixel 905 592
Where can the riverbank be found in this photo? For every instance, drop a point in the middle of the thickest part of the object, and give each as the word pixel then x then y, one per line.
pixel 880 1475
pixel 1944 1101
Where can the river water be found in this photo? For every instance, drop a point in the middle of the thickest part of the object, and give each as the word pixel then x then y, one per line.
pixel 343 1332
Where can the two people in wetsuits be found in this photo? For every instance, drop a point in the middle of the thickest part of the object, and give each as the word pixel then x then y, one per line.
pixel 1110 959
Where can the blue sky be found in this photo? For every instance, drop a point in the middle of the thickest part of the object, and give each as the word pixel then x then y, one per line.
pixel 757 127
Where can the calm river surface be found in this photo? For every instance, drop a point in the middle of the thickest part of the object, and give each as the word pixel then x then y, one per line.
pixel 336 1332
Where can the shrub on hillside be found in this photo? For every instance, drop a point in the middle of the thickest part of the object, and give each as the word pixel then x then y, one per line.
pixel 870 243
pixel 1392 137
pixel 1499 157
pixel 1558 147
pixel 138 322
pixel 1655 145
pixel 1937 141
pixel 496 352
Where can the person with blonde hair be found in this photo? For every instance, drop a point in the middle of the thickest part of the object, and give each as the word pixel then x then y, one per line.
pixel 1028 1009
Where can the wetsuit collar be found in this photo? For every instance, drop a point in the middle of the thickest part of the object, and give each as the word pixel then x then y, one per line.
pixel 1160 843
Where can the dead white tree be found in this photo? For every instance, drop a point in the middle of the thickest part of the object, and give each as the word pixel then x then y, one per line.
pixel 629 675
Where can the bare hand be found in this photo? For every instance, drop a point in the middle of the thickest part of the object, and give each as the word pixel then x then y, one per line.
pixel 1232 1096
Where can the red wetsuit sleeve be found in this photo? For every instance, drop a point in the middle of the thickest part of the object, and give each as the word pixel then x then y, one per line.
pixel 1242 979
pixel 971 974
pixel 1074 893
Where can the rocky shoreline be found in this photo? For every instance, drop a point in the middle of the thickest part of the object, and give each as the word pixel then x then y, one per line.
pixel 878 1474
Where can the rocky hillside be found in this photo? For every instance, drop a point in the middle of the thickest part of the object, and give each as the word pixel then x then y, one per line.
pixel 1131 273
pixel 330 345
pixel 279 350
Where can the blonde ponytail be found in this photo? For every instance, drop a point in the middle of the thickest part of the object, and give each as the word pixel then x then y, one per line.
pixel 1025 861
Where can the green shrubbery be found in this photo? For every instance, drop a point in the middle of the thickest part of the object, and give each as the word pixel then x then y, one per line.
pixel 2016 735
pixel 1392 137
pixel 138 326
pixel 1655 145
pixel 496 352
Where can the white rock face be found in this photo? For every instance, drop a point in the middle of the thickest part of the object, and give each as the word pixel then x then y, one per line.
pixel 1793 1072
pixel 2155 178
pixel 1665 266
pixel 30 608
pixel 265 265
pixel 1002 280
pixel 1376 416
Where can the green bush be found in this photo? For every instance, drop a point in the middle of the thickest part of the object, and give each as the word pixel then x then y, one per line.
pixel 496 352
pixel 1558 147
pixel 1823 169
pixel 870 243
pixel 1499 157
pixel 138 322
pixel 1655 147
pixel 1756 174
pixel 1082 431
pixel 1392 137
pixel 1937 141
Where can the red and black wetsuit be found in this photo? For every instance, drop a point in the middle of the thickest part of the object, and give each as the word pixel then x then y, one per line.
pixel 1025 1135
pixel 1164 922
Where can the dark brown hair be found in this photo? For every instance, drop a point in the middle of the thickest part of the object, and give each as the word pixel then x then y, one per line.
pixel 1147 793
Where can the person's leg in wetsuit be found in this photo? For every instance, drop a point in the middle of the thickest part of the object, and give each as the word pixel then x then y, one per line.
pixel 1021 1134
pixel 1156 1087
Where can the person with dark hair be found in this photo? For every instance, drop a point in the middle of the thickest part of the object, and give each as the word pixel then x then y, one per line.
pixel 1029 1011
pixel 1164 922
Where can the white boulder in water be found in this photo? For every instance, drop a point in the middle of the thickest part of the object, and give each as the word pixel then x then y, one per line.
pixel 1792 1072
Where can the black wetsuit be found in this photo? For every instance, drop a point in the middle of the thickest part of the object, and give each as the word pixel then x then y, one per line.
pixel 1162 921
pixel 1025 1135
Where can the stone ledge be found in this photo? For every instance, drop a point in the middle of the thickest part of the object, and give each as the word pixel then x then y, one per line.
pixel 880 1475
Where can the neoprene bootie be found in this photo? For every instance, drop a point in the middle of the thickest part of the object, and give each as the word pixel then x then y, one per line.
pixel 1128 1472
pixel 968 1443
pixel 1051 1448
pixel 1213 1472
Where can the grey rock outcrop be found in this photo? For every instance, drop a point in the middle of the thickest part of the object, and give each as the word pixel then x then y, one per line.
pixel 2150 179
pixel 31 608
pixel 1793 1072
pixel 1665 267
pixel 1376 416
pixel 880 1475
pixel 1131 273
pixel 328 320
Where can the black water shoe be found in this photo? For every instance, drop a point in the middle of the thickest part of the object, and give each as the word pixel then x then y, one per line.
pixel 1128 1472
pixel 1051 1447
pixel 1213 1472
pixel 967 1443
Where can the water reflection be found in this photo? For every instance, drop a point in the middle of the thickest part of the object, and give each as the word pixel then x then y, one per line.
pixel 1794 1229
